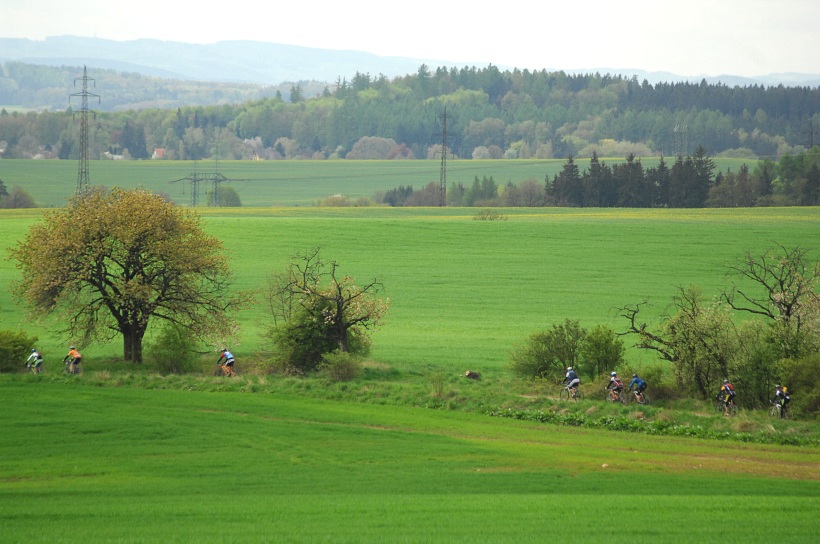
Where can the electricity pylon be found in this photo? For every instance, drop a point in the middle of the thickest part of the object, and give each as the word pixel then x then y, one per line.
pixel 82 174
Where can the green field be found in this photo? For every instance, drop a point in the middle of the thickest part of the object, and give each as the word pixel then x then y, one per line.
pixel 281 183
pixel 122 455
pixel 465 292
pixel 99 464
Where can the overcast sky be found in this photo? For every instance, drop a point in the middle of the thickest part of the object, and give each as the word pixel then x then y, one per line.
pixel 691 37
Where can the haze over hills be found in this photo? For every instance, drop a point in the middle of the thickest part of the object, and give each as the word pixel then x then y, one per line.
pixel 272 64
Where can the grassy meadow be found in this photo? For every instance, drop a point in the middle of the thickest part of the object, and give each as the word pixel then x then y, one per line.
pixel 463 292
pixel 115 464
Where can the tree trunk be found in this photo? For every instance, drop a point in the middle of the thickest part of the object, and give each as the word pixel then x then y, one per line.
pixel 132 345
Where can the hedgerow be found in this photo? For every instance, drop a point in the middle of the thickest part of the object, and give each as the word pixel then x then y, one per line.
pixel 654 427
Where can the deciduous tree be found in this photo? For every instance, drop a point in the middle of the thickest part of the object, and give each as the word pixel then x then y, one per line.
pixel 317 311
pixel 111 262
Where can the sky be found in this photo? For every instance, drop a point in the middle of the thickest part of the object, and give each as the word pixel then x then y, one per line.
pixel 692 38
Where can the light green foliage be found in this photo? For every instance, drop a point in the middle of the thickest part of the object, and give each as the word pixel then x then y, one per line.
pixel 547 354
pixel 316 311
pixel 602 351
pixel 801 377
pixel 15 347
pixel 340 366
pixel 172 351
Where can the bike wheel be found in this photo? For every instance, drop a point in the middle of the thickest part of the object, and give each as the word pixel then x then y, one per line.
pixel 623 398
pixel 787 414
pixel 579 395
pixel 774 412
pixel 218 372
pixel 564 394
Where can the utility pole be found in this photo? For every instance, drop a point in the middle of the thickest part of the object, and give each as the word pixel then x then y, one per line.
pixel 681 140
pixel 82 174
pixel 443 172
pixel 810 134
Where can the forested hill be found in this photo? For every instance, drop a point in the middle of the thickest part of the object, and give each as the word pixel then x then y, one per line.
pixel 490 113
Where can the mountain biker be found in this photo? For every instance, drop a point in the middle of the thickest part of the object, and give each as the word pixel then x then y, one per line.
pixel 615 386
pixel 781 399
pixel 228 357
pixel 572 380
pixel 34 361
pixel 72 359
pixel 727 395
pixel 639 384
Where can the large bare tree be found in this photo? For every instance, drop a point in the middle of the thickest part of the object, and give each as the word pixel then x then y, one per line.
pixel 317 310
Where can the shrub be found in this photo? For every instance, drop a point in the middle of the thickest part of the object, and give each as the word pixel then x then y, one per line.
pixel 15 347
pixel 173 351
pixel 800 376
pixel 340 366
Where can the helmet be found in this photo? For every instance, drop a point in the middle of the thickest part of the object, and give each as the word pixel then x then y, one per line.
pixel 72 347
pixel 777 386
pixel 614 374
pixel 725 381
pixel 634 375
pixel 33 350
pixel 569 368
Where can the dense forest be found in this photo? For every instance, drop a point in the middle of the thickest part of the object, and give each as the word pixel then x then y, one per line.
pixel 479 113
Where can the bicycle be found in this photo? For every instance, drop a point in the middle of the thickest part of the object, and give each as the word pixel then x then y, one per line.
pixel 72 369
pixel 641 398
pixel 225 371
pixel 574 393
pixel 616 396
pixel 34 368
pixel 774 411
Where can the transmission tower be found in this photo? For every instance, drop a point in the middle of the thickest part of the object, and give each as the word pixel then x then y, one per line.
pixel 215 178
pixel 810 134
pixel 82 174
pixel 681 139
pixel 444 148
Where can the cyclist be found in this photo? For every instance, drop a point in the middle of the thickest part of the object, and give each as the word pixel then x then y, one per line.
pixel 727 395
pixel 34 361
pixel 639 384
pixel 73 359
pixel 781 399
pixel 615 386
pixel 572 380
pixel 228 357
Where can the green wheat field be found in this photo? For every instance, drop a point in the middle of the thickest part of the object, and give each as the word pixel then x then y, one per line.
pixel 100 459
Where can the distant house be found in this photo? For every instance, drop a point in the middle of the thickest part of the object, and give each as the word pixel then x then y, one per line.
pixel 159 153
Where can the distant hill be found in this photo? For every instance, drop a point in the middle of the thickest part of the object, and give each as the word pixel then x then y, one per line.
pixel 272 64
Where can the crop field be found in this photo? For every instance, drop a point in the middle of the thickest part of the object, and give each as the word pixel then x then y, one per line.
pixel 120 455
pixel 114 464
pixel 282 183
pixel 464 292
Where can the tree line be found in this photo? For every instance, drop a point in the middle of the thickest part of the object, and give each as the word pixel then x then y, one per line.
pixel 494 114
pixel 687 182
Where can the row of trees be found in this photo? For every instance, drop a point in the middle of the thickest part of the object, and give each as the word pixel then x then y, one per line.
pixel 689 182
pixel 705 341
pixel 494 114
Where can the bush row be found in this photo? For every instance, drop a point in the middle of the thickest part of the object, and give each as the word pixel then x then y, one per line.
pixel 654 427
